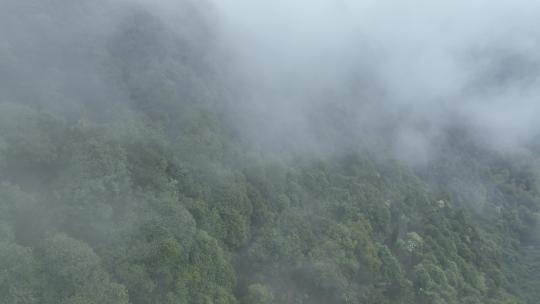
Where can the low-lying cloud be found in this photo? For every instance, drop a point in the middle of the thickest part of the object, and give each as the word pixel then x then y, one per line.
pixel 421 66
pixel 402 71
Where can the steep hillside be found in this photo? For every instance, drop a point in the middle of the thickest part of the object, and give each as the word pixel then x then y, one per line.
pixel 125 178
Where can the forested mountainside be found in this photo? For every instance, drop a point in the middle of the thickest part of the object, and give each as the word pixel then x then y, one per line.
pixel 125 179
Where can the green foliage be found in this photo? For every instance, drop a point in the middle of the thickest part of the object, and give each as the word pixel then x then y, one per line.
pixel 18 284
pixel 150 221
pixel 164 201
pixel 73 273
pixel 258 294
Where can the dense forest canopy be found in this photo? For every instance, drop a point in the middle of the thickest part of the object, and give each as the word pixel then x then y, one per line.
pixel 288 152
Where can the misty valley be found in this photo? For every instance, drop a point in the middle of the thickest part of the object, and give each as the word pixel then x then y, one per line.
pixel 269 152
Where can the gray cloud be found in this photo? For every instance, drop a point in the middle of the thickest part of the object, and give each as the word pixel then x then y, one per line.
pixel 421 66
pixel 315 74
